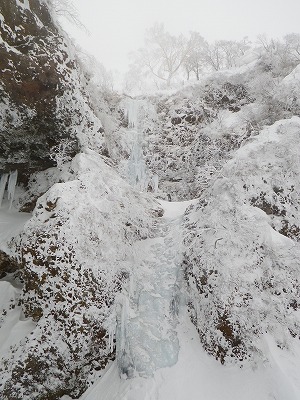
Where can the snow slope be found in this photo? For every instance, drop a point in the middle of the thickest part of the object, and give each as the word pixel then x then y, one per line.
pixel 11 224
pixel 14 327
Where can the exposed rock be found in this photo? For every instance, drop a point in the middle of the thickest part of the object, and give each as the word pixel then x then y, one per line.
pixel 8 264
pixel 45 111
pixel 35 67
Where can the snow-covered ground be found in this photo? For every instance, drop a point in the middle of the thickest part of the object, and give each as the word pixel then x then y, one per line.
pixel 198 376
pixel 14 327
pixel 11 224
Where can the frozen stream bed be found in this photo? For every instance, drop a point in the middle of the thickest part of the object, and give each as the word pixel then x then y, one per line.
pixel 148 314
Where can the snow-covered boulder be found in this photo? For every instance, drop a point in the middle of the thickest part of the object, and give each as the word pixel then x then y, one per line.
pixel 288 92
pixel 77 252
pixel 242 248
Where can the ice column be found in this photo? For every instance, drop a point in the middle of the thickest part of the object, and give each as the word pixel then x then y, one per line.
pixel 3 182
pixel 125 362
pixel 155 183
pixel 132 113
pixel 12 182
pixel 137 167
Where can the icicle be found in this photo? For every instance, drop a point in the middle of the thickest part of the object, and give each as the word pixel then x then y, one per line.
pixel 123 323
pixel 137 168
pixel 111 338
pixel 112 325
pixel 12 182
pixel 132 113
pixel 3 182
pixel 155 183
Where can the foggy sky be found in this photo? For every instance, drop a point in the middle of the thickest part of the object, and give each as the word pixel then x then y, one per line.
pixel 117 27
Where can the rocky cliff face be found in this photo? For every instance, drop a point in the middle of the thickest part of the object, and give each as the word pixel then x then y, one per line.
pixel 189 135
pixel 33 57
pixel 44 108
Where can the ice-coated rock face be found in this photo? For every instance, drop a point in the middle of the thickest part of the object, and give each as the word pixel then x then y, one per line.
pixel 182 140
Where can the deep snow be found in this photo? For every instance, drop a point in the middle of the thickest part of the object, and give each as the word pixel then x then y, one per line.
pixel 11 224
pixel 14 327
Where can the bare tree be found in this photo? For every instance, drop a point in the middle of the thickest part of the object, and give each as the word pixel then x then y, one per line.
pixel 214 56
pixel 292 43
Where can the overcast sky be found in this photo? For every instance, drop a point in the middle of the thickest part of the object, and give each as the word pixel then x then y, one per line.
pixel 117 27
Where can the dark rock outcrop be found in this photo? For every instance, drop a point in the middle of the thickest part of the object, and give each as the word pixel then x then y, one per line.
pixel 36 70
pixel 8 264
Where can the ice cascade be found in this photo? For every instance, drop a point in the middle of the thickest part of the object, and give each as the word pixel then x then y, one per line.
pixel 146 337
pixel 12 182
pixel 9 181
pixel 3 182
pixel 138 173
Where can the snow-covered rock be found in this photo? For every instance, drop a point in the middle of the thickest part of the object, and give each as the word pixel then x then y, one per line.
pixel 45 113
pixel 77 252
pixel 242 248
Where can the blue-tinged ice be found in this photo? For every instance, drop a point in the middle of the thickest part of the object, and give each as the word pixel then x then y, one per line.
pixel 146 338
pixel 3 182
pixel 138 173
pixel 11 187
pixel 9 182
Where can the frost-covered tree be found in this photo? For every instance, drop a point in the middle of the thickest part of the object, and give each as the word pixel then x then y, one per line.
pixel 279 56
pixel 195 58
pixel 292 42
pixel 224 53
pixel 163 54
pixel 98 77
pixel 65 9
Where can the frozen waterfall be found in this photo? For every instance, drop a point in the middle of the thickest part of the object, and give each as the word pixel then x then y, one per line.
pixel 146 337
pixel 3 182
pixel 8 182
pixel 137 170
pixel 139 176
